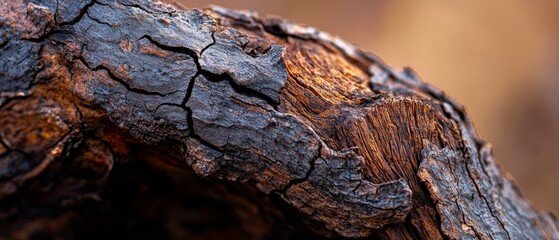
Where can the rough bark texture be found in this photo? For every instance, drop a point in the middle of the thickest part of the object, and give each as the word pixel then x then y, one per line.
pixel 136 119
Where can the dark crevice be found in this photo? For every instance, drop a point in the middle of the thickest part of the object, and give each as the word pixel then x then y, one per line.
pixel 312 164
pixel 296 181
pixel 98 21
pixel 188 110
pixel 194 57
pixel 189 90
pixel 55 15
pixel 121 81
pixel 83 11
pixel 209 45
pixel 478 236
pixel 212 76
pixel 485 200
pixel 189 119
pixel 356 187
pixel 193 134
pixel 4 43
pixel 188 52
pixel 175 49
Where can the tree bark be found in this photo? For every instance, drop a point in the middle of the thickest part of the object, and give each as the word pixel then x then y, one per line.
pixel 138 119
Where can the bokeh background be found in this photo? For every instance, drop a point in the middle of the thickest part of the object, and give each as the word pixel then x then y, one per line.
pixel 499 58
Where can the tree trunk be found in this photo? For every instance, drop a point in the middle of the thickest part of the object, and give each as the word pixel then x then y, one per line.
pixel 137 119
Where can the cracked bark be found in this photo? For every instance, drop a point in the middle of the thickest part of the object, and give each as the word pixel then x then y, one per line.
pixel 136 119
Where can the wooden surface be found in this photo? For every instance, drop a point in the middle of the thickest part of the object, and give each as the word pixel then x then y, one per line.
pixel 112 112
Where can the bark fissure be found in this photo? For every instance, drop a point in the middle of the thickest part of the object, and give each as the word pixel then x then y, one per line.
pixel 120 81
pixel 98 21
pixel 211 76
pixel 293 182
pixel 81 14
pixel 479 193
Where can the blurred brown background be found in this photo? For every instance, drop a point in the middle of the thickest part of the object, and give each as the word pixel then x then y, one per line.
pixel 498 58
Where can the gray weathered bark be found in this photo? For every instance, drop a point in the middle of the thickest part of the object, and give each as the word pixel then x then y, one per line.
pixel 109 108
